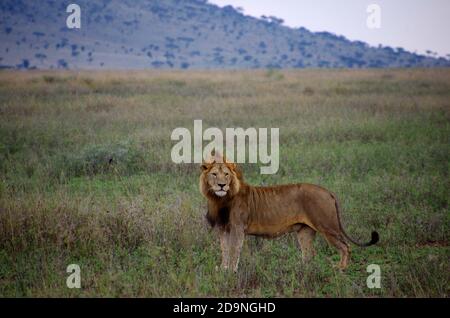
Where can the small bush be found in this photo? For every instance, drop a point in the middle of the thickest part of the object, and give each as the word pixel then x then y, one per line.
pixel 124 158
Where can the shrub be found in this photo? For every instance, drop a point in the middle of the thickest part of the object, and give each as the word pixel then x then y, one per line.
pixel 124 158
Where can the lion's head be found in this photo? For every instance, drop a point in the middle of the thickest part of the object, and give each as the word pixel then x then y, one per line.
pixel 219 179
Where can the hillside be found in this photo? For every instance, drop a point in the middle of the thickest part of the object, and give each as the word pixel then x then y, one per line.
pixel 136 34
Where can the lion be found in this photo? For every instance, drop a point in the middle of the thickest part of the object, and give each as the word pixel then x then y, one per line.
pixel 237 209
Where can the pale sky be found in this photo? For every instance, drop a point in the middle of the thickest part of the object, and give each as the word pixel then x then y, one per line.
pixel 415 25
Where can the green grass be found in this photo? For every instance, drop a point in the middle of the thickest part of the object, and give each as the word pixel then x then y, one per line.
pixel 378 138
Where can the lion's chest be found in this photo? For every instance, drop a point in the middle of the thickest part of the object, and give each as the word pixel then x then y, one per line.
pixel 218 216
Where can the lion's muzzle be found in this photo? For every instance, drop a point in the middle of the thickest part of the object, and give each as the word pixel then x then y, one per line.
pixel 221 193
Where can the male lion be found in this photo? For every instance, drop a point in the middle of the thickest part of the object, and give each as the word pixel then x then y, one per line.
pixel 236 209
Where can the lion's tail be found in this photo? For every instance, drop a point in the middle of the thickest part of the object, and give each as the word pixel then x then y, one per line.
pixel 375 237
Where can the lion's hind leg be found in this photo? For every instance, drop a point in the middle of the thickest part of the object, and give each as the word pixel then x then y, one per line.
pixel 305 237
pixel 339 242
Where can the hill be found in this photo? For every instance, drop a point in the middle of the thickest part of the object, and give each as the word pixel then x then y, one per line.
pixel 182 34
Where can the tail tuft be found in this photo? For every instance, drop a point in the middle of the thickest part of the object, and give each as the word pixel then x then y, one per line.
pixel 375 238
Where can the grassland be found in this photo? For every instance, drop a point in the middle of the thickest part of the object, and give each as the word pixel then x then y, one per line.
pixel 86 178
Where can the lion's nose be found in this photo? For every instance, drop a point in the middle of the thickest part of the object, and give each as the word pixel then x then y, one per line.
pixel 222 184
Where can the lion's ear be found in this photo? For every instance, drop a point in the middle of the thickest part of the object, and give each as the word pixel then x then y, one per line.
pixel 204 166
pixel 236 168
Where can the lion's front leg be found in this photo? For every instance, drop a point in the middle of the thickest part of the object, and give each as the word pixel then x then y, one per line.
pixel 225 247
pixel 236 241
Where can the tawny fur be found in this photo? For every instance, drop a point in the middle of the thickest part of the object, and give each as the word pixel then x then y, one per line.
pixel 270 212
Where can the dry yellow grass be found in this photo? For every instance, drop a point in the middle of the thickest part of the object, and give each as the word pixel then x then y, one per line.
pixel 378 138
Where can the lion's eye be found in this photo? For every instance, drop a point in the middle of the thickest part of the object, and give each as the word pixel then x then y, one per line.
pixel 227 174
pixel 214 174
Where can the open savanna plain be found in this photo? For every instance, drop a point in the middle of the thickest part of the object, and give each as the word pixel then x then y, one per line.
pixel 86 178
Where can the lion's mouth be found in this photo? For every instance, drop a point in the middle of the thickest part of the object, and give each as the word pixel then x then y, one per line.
pixel 221 193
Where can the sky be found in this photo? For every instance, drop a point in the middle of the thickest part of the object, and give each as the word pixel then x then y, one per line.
pixel 415 25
